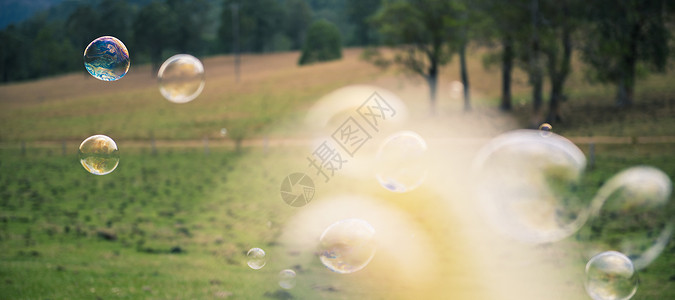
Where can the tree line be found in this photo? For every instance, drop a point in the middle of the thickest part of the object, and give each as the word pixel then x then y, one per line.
pixel 47 43
pixel 618 40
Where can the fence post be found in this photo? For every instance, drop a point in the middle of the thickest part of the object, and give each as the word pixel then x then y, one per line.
pixel 206 145
pixel 591 155
pixel 152 144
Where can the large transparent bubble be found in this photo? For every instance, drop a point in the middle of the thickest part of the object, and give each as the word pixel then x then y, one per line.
pixel 347 246
pixel 287 279
pixel 256 258
pixel 527 185
pixel 99 154
pixel 611 276
pixel 400 162
pixel 181 78
pixel 630 215
pixel 106 58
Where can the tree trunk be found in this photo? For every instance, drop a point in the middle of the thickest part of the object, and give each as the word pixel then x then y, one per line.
pixel 535 66
pixel 507 67
pixel 626 85
pixel 433 83
pixel 465 77
pixel 155 57
pixel 432 79
pixel 559 76
pixel 624 94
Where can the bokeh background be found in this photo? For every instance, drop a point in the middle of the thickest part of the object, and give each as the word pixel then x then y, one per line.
pixel 186 203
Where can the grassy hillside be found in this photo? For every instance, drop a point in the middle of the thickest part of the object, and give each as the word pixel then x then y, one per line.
pixel 177 221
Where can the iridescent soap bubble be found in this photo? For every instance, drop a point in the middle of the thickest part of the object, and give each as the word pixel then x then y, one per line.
pixel 630 215
pixel 347 246
pixel 256 258
pixel 611 276
pixel 528 186
pixel 400 162
pixel 287 279
pixel 106 58
pixel 181 78
pixel 545 129
pixel 99 154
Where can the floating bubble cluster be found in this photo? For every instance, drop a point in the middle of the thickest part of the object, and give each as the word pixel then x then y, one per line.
pixel 256 258
pixel 611 276
pixel 106 58
pixel 347 246
pixel 629 215
pixel 527 185
pixel 287 279
pixel 400 165
pixel 181 78
pixel 99 154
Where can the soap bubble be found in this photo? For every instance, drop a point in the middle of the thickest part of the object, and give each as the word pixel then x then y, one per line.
pixel 99 154
pixel 256 258
pixel 223 132
pixel 181 78
pixel 611 276
pixel 347 246
pixel 527 185
pixel 287 279
pixel 629 214
pixel 400 165
pixel 545 129
pixel 106 58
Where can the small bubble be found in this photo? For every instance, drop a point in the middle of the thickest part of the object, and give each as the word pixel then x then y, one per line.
pixel 181 78
pixel 400 163
pixel 256 258
pixel 106 58
pixel 99 154
pixel 287 279
pixel 611 276
pixel 347 246
pixel 223 132
pixel 545 129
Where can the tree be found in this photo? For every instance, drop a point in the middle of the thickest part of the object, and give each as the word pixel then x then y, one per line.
pixel 82 25
pixel 323 43
pixel 120 12
pixel 192 20
pixel 464 16
pixel 259 22
pixel 504 23
pixel 557 46
pixel 358 12
pixel 621 35
pixel 419 30
pixel 11 45
pixel 155 30
pixel 298 19
pixel 534 61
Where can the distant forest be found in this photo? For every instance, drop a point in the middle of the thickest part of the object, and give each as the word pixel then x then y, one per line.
pixel 48 42
pixel 619 41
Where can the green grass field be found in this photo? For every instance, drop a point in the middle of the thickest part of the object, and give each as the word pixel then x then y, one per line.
pixel 176 224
